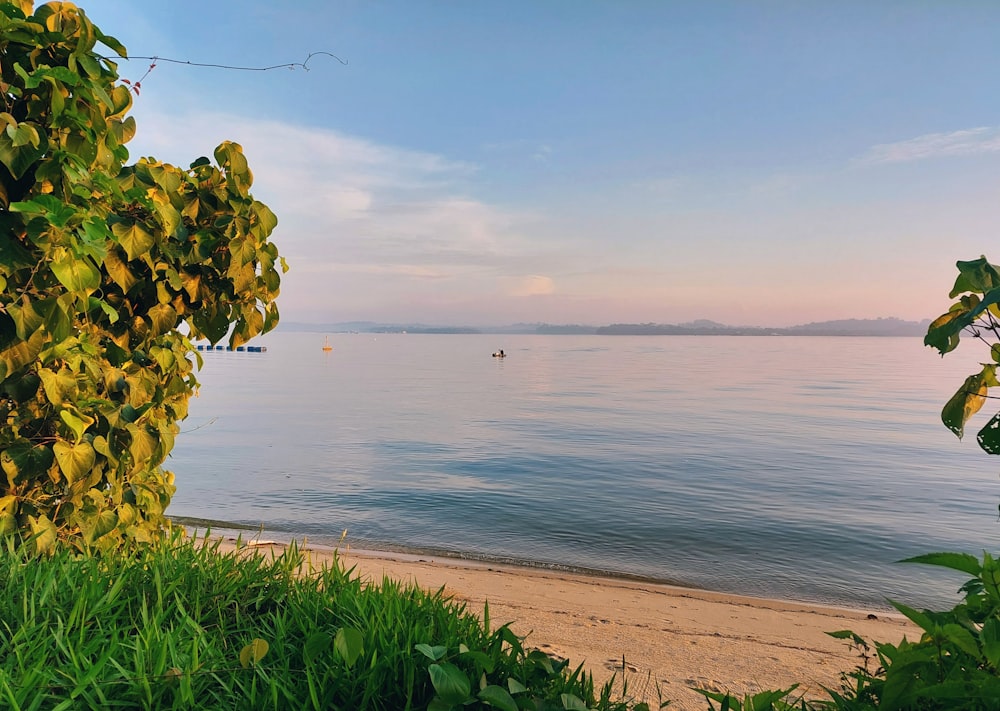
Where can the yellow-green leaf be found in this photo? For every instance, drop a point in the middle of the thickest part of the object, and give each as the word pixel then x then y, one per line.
pixel 162 318
pixel 253 652
pixel 59 387
pixel 44 533
pixel 964 404
pixel 77 273
pixel 134 238
pixel 75 460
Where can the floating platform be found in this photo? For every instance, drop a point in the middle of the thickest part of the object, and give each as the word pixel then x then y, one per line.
pixel 238 349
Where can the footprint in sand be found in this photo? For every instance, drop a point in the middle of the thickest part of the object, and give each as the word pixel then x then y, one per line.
pixel 552 652
pixel 616 665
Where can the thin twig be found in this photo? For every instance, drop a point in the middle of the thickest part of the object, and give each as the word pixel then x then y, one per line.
pixel 289 65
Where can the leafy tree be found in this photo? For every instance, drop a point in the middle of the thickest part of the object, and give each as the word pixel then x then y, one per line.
pixel 977 313
pixel 107 272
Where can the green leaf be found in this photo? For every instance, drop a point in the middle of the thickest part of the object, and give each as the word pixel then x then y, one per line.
pixel 107 308
pixel 498 697
pixel 433 653
pixel 515 687
pixel 847 634
pixel 21 157
pixel 75 460
pixel 19 353
pixel 24 134
pixel 213 323
pixel 26 318
pixel 450 683
pixel 978 276
pixel 571 702
pixel 921 619
pixel 22 389
pixel 77 274
pixel 169 216
pixel 963 639
pixel 482 660
pixel 99 525
pixel 316 644
pixel 76 421
pixel 266 220
pixel 989 437
pixel 963 562
pixel 55 319
pixel 133 238
pixel 253 652
pixel 25 461
pixel 349 644
pixel 243 252
pixel 990 637
pixel 111 43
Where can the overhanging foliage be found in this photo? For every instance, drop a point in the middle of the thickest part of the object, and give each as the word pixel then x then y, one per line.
pixel 107 272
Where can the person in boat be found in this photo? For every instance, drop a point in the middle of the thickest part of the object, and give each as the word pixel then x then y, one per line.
pixel 499 354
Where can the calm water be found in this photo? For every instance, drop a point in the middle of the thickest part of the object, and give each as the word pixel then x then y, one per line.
pixel 789 467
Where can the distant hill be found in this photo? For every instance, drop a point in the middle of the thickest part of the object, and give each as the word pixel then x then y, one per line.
pixel 862 327
pixel 844 327
pixel 700 327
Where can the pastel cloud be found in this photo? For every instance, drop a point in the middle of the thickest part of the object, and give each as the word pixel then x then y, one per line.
pixel 531 285
pixel 985 139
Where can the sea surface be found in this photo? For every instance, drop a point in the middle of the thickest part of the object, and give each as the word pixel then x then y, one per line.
pixel 792 467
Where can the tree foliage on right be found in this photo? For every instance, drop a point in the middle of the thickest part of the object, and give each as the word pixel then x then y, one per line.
pixel 976 313
pixel 108 271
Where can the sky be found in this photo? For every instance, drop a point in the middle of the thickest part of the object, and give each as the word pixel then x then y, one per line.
pixel 762 163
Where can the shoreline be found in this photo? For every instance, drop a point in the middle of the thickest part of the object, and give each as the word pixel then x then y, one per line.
pixel 249 534
pixel 666 638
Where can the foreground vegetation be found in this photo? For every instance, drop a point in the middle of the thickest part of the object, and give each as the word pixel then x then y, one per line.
pixel 182 625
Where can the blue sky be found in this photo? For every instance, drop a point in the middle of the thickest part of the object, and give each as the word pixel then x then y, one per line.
pixel 758 163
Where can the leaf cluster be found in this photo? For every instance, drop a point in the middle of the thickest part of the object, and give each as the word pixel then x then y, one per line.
pixel 107 271
pixel 976 313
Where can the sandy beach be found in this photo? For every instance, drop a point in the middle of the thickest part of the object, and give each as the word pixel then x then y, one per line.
pixel 671 638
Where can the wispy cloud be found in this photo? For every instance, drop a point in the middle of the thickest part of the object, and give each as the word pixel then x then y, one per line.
pixel 520 148
pixel 985 139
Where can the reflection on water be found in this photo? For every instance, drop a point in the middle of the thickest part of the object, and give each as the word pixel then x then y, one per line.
pixel 795 467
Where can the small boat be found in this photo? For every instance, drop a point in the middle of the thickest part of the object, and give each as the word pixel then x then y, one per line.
pixel 326 344
pixel 500 354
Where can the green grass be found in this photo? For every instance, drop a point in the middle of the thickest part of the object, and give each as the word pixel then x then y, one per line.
pixel 184 625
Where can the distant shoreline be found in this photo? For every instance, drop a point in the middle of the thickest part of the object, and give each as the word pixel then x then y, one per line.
pixel 844 328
